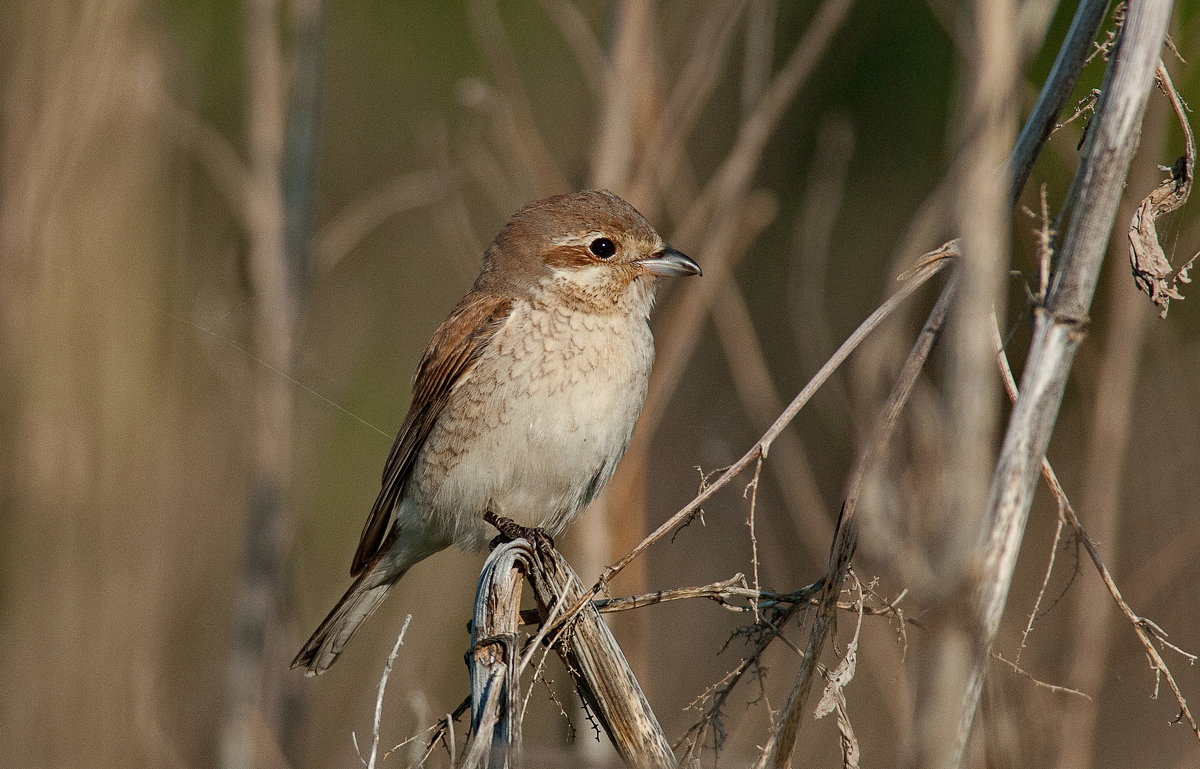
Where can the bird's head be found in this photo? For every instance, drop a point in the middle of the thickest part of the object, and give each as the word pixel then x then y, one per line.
pixel 589 247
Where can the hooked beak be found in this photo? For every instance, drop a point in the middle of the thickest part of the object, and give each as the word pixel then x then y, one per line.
pixel 670 263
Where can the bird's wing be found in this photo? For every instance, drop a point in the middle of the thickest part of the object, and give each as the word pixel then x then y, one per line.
pixel 452 352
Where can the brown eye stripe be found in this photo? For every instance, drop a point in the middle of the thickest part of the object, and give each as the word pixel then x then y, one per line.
pixel 570 257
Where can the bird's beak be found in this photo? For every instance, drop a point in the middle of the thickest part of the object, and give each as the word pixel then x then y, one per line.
pixel 670 263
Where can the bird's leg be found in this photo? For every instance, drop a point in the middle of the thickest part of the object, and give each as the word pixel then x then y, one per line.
pixel 510 530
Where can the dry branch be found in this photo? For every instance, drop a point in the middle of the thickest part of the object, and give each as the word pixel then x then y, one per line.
pixel 585 644
pixel 1059 327
pixel 495 725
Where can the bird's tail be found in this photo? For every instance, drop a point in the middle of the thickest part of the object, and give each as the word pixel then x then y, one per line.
pixel 327 642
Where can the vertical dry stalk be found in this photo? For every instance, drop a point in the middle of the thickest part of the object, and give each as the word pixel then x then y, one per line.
pixel 981 212
pixel 253 686
pixel 1059 328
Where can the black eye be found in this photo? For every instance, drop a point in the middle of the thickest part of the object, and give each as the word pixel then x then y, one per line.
pixel 602 247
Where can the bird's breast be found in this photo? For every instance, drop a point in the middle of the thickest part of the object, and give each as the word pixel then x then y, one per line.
pixel 539 424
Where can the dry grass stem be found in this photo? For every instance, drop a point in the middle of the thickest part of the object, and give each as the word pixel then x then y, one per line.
pixel 1040 684
pixel 369 762
pixel 1145 630
pixel 1060 83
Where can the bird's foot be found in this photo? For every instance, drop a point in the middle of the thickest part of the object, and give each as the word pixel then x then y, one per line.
pixel 510 530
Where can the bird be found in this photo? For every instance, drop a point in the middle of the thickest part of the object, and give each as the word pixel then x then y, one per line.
pixel 524 400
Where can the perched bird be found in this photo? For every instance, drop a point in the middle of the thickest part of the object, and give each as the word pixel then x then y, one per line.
pixel 524 400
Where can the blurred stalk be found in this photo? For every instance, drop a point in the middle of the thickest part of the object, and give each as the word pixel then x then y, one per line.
pixel 617 521
pixel 280 147
pixel 982 212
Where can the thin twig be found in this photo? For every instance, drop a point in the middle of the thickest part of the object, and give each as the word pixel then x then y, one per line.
pixel 1037 602
pixel 1146 632
pixel 1041 684
pixel 778 750
pixel 442 731
pixel 763 445
pixel 369 763
pixel 752 490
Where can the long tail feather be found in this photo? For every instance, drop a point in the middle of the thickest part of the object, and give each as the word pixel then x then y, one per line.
pixel 359 602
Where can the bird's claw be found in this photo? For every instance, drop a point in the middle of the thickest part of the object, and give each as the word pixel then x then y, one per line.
pixel 510 530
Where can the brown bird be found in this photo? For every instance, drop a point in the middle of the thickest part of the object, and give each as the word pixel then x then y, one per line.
pixel 524 400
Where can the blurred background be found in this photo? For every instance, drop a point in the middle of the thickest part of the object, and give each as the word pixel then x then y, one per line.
pixel 227 230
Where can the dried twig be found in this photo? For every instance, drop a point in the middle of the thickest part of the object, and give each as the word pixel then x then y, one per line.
pixel 1147 632
pixel 369 762
pixel 1040 684
pixel 442 732
pixel 586 645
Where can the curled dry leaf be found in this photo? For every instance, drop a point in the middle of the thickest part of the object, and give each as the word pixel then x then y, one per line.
pixel 1152 271
pixel 836 682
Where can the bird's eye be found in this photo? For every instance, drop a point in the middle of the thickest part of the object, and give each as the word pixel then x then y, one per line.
pixel 602 247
